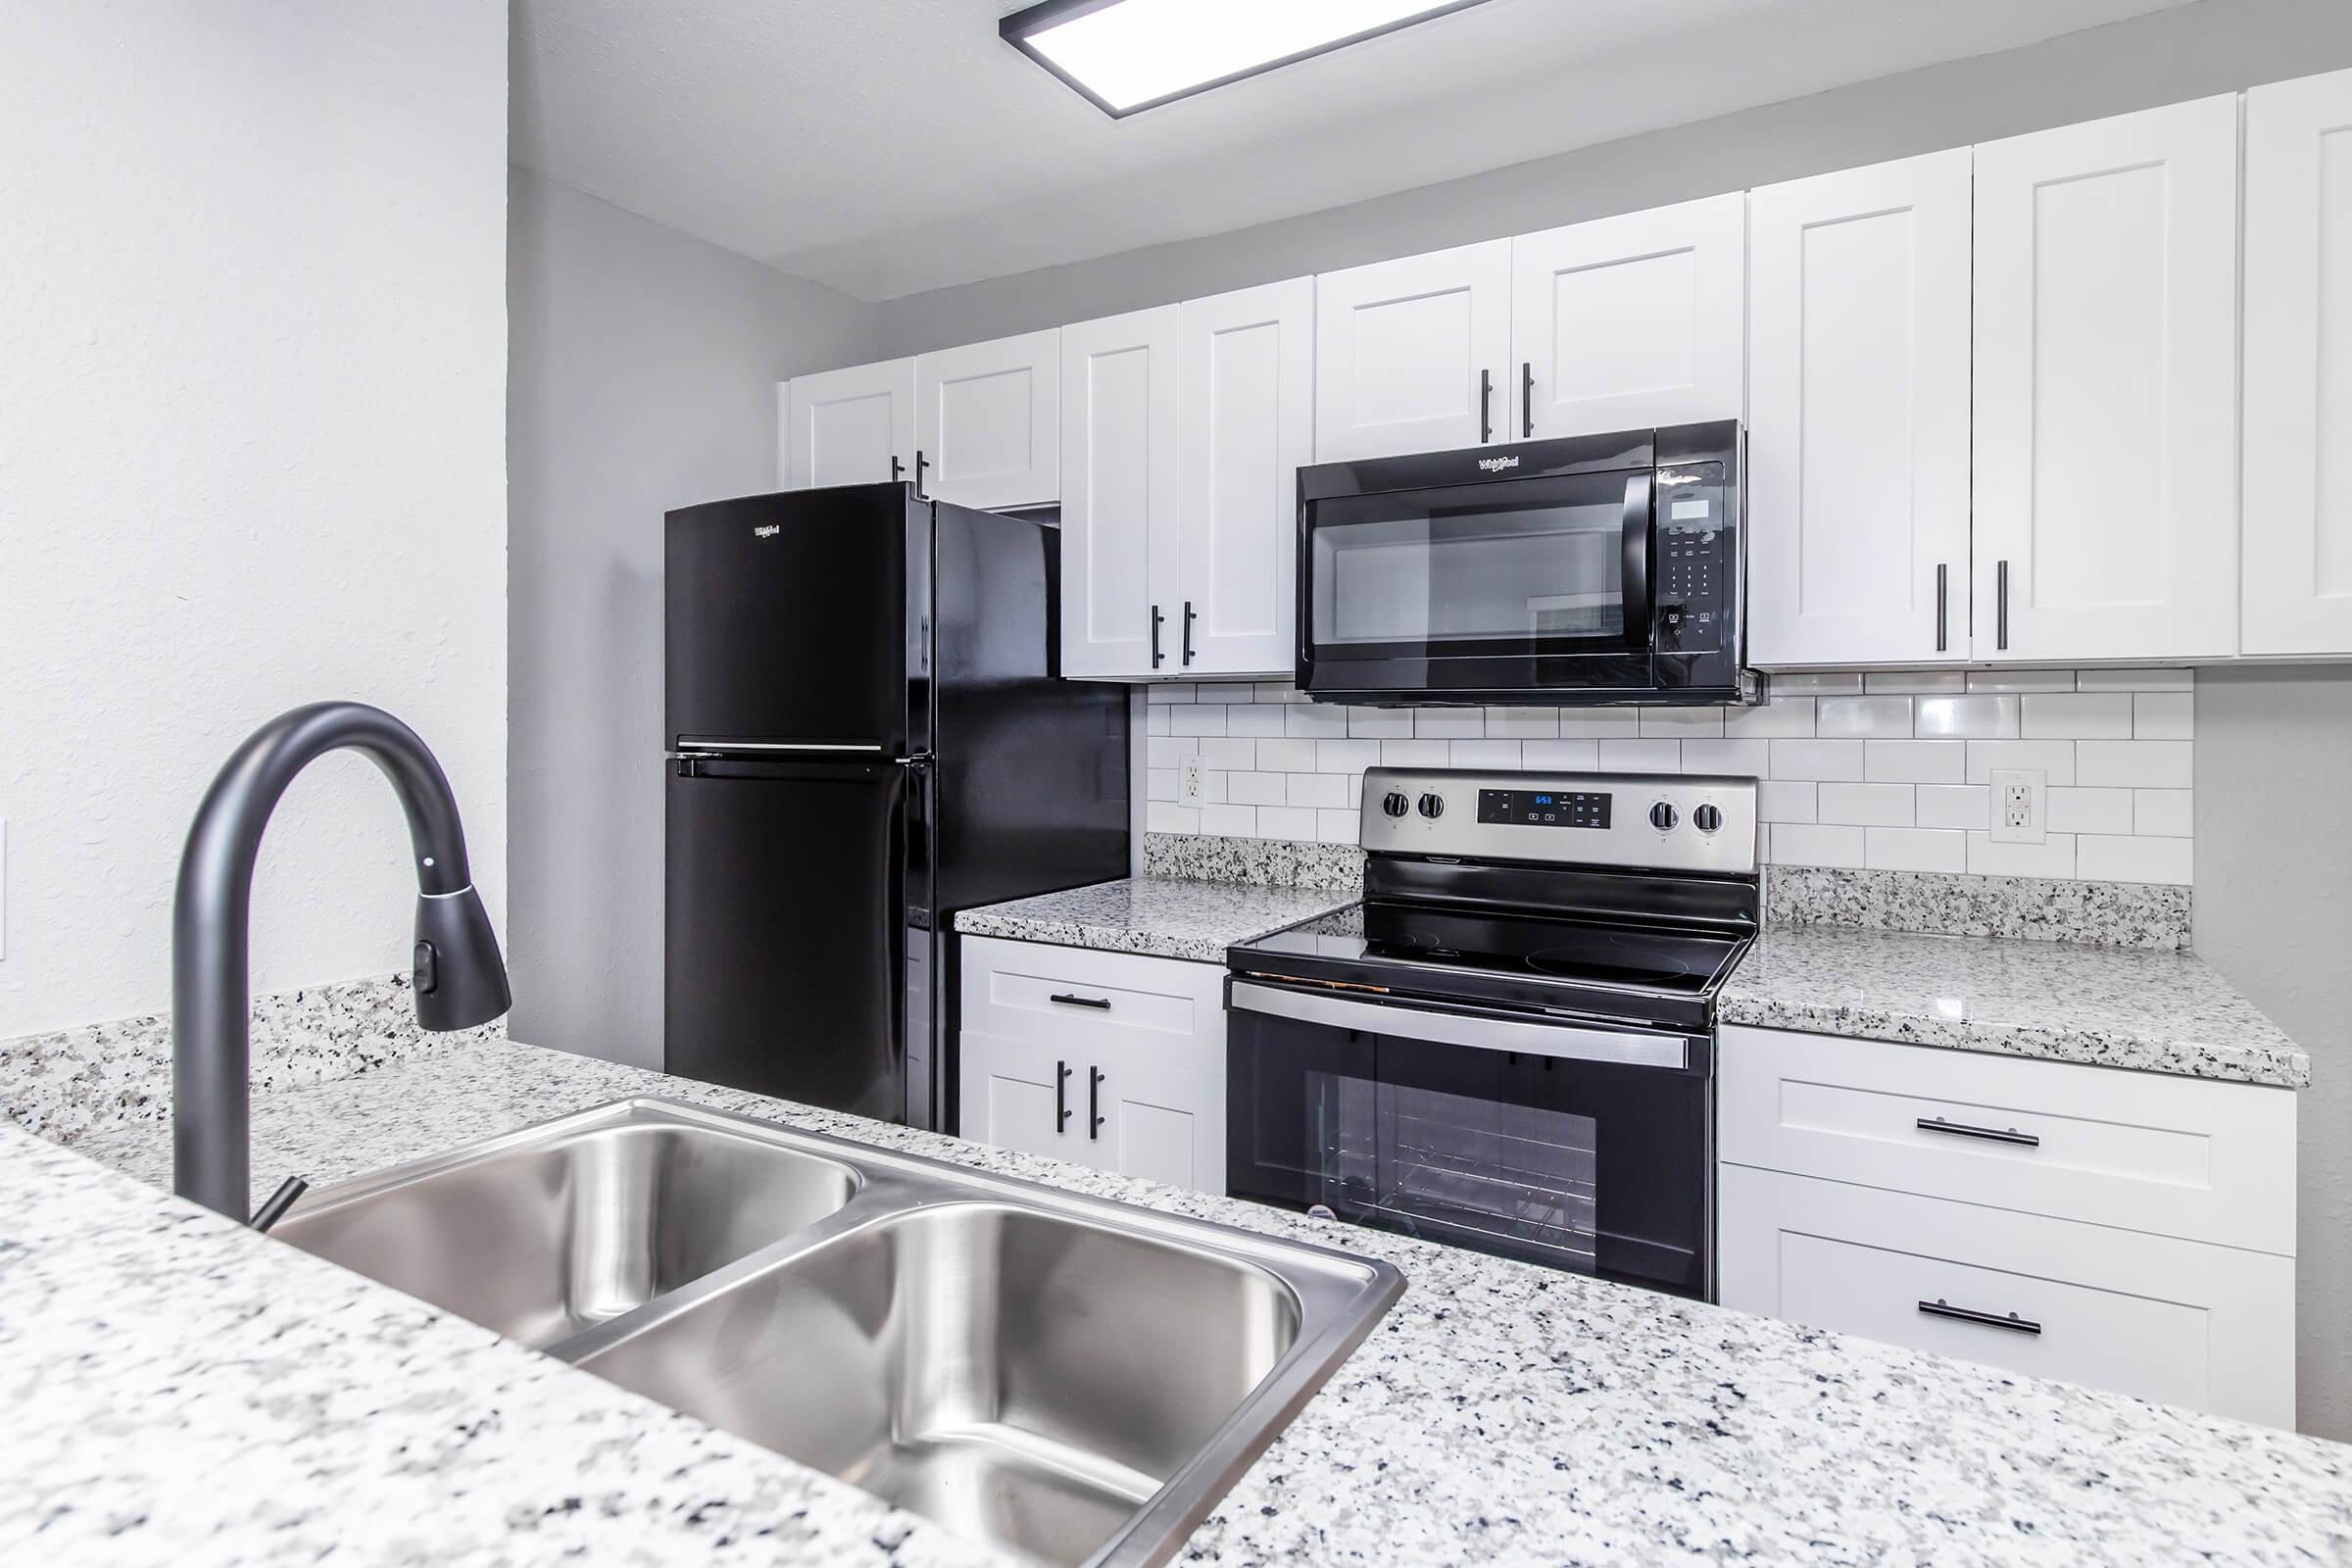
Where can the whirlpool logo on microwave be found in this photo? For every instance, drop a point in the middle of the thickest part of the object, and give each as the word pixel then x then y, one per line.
pixel 767 530
pixel 1498 465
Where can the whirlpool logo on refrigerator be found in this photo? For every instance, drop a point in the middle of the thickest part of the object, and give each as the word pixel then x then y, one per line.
pixel 768 530
pixel 1498 465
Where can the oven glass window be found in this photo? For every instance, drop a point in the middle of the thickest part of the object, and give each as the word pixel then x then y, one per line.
pixel 1519 565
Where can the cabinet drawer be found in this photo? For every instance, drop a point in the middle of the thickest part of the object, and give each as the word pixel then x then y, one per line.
pixel 1032 991
pixel 2211 1328
pixel 2174 1156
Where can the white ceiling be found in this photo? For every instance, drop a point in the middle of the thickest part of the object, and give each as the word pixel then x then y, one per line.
pixel 886 147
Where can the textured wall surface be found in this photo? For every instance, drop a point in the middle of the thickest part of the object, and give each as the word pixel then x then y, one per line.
pixel 2273 914
pixel 252 454
pixel 644 379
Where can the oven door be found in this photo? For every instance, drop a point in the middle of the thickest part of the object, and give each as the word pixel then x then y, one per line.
pixel 1507 587
pixel 1574 1146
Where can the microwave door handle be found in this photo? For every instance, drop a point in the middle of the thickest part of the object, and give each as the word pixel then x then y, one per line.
pixel 1637 526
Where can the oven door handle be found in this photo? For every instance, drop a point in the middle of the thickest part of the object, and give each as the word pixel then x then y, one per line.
pixel 1639 524
pixel 1565 1041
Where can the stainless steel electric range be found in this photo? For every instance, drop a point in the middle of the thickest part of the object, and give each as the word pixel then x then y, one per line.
pixel 1509 1045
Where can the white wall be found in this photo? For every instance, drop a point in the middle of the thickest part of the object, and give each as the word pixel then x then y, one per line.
pixel 252 454
pixel 645 378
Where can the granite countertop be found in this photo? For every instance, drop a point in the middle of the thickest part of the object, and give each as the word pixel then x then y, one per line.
pixel 2157 1011
pixel 1164 916
pixel 181 1390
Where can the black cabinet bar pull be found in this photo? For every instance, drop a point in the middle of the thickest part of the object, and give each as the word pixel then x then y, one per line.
pixel 1156 618
pixel 1992 1135
pixel 1939 1307
pixel 1943 617
pixel 1061 1095
pixel 920 463
pixel 1527 399
pixel 1486 406
pixel 898 470
pixel 1070 999
pixel 2000 605
pixel 1094 1103
pixel 1189 615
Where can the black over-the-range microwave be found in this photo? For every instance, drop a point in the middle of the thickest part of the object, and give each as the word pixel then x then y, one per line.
pixel 1589 569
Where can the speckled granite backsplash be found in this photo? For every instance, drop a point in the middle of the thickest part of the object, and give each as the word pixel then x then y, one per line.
pixel 69 1083
pixel 1264 862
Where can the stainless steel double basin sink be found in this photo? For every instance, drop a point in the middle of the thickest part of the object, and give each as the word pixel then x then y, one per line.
pixel 1072 1380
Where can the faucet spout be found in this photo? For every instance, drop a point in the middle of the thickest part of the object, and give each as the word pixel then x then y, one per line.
pixel 461 977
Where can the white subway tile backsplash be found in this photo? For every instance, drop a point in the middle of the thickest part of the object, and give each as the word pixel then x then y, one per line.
pixel 2143 764
pixel 1817 759
pixel 1914 849
pixel 1567 756
pixel 2164 813
pixel 1863 717
pixel 1780 800
pixel 2074 715
pixel 2163 716
pixel 1888 770
pixel 1866 804
pixel 1955 806
pixel 1915 761
pixel 1985 716
pixel 2105 857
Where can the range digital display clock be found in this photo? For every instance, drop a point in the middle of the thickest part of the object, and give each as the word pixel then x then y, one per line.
pixel 1544 808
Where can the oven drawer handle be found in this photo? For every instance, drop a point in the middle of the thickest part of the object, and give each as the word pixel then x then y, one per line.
pixel 1562 1041
pixel 1991 1135
pixel 1070 999
pixel 1939 1307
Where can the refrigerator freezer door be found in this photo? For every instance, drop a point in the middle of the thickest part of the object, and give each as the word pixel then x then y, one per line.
pixel 787 927
pixel 788 623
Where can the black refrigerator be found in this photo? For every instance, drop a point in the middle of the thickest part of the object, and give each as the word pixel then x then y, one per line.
pixel 866 731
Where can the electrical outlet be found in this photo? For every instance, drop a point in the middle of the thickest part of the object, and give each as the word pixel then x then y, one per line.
pixel 2020 805
pixel 1188 782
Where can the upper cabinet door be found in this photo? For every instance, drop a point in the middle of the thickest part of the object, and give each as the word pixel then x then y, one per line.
pixel 1629 322
pixel 1122 384
pixel 2106 388
pixel 2298 427
pixel 988 421
pixel 1858 417
pixel 846 426
pixel 1411 354
pixel 1248 425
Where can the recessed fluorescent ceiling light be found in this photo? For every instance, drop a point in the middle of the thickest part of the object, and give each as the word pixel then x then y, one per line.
pixel 1128 55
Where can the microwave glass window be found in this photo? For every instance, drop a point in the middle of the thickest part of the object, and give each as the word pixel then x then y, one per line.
pixel 1437 568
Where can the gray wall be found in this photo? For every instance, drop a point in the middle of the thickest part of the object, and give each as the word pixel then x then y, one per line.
pixel 2273 913
pixel 643 377
pixel 2213 46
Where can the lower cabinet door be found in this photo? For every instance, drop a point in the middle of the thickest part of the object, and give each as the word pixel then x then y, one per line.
pixel 1022 1096
pixel 1159 1114
pixel 2185 1323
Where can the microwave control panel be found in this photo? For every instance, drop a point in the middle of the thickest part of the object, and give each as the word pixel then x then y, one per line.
pixel 1693 563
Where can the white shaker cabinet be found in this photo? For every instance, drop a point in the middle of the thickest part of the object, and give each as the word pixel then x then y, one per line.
pixel 1248 427
pixel 1858 416
pixel 1627 322
pixel 1413 355
pixel 988 421
pixel 2299 367
pixel 1122 382
pixel 2106 388
pixel 1111 1060
pixel 850 427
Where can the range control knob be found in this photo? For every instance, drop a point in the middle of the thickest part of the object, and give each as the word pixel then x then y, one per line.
pixel 1433 807
pixel 1707 818
pixel 1396 803
pixel 1663 816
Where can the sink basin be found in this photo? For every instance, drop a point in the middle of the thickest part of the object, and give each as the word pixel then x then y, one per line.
pixel 547 1233
pixel 1020 1376
pixel 1072 1380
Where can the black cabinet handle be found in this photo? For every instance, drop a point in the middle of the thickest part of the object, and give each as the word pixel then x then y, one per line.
pixel 1094 1103
pixel 1189 615
pixel 1526 398
pixel 2000 613
pixel 1061 1097
pixel 1156 617
pixel 1994 1135
pixel 920 463
pixel 1486 406
pixel 1071 999
pixel 1939 1307
pixel 1943 616
pixel 898 470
